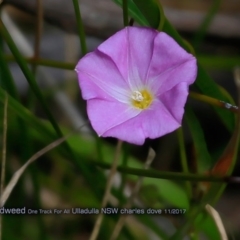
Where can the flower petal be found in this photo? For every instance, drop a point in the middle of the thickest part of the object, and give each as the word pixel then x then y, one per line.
pixel 129 131
pixel 105 115
pixel 150 123
pixel 132 46
pixel 158 121
pixel 99 78
pixel 184 72
pixel 175 99
pixel 170 65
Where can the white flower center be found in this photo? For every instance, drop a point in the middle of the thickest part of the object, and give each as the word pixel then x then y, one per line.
pixel 137 96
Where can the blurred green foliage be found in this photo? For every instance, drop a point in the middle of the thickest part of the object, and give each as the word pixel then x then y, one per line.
pixel 71 175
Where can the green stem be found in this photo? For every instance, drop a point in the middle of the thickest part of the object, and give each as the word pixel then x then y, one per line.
pixel 7 81
pixel 213 101
pixel 178 176
pixel 44 62
pixel 81 32
pixel 29 76
pixel 184 160
pixel 124 175
pixel 125 13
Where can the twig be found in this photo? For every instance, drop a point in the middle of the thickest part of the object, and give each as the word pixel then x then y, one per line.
pixel 121 221
pixel 107 191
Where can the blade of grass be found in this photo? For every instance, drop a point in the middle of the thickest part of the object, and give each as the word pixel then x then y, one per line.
pixel 204 160
pixel 175 176
pixel 125 159
pixel 134 12
pixel 214 102
pixel 44 62
pixel 184 161
pixel 3 162
pixel 125 13
pixel 81 32
pixel 150 10
pixel 7 81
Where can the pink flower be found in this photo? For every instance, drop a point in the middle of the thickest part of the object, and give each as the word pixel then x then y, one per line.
pixel 136 84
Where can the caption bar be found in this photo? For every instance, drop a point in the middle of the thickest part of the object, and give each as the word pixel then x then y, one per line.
pixel 82 211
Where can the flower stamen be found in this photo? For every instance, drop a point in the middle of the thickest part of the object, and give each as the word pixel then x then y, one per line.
pixel 141 99
pixel 137 96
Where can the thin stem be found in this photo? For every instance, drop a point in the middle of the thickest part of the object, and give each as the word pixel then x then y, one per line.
pixel 184 160
pixel 125 13
pixel 122 219
pixel 98 223
pixel 177 176
pixel 7 81
pixel 124 176
pixel 44 62
pixel 3 164
pixel 38 33
pixel 81 32
pixel 213 101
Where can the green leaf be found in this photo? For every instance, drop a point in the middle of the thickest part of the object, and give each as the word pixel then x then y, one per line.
pixel 134 12
pixel 206 224
pixel 150 11
pixel 204 161
pixel 146 13
pixel 6 80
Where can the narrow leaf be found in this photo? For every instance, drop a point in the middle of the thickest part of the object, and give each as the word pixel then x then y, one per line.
pixel 204 161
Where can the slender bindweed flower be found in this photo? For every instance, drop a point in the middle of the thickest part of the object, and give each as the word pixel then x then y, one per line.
pixel 136 84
